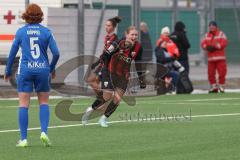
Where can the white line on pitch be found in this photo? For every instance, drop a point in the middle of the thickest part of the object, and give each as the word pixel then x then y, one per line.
pixel 211 99
pixel 159 102
pixel 123 121
pixel 141 103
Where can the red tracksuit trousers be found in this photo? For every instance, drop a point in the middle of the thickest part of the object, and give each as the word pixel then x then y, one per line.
pixel 219 66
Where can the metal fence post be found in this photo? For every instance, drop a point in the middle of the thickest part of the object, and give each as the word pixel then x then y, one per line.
pixel 211 10
pixel 81 39
pixel 175 13
pixel 26 3
pixel 136 14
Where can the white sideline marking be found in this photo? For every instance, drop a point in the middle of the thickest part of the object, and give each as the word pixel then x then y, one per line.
pixel 51 105
pixel 123 121
pixel 213 99
pixel 193 100
pixel 196 91
pixel 142 103
pixel 50 97
pixel 159 102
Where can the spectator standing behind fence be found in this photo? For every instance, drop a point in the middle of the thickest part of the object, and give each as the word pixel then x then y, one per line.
pixel 146 42
pixel 214 43
pixel 179 37
pixel 146 55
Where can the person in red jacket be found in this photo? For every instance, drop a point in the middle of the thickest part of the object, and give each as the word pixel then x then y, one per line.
pixel 165 42
pixel 214 43
pixel 167 52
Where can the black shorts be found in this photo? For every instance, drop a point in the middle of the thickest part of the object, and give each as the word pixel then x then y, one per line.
pixel 113 81
pixel 119 82
pixel 106 82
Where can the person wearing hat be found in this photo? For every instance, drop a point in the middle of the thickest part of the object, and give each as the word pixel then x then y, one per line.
pixel 214 44
pixel 166 53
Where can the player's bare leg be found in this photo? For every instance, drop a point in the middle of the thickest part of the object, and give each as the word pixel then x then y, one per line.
pixel 118 94
pixel 98 104
pixel 94 82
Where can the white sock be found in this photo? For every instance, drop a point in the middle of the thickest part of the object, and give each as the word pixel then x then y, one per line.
pixel 104 117
pixel 89 109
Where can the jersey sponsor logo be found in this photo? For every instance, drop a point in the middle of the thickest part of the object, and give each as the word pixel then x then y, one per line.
pixel 125 59
pixel 36 64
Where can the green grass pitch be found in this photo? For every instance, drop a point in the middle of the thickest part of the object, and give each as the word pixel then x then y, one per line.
pixel 212 132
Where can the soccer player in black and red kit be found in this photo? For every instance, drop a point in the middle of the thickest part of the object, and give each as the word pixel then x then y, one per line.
pixel 99 68
pixel 129 49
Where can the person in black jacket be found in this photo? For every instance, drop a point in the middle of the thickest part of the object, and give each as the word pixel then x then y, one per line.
pixel 146 42
pixel 179 37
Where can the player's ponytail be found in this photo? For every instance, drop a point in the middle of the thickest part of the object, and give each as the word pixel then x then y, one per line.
pixel 115 20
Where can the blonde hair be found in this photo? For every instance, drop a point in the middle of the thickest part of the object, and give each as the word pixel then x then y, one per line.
pixel 130 28
pixel 144 26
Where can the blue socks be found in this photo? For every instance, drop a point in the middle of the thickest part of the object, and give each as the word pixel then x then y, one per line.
pixel 44 117
pixel 23 121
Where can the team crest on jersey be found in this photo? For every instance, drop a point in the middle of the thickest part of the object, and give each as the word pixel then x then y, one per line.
pixel 105 83
pixel 133 54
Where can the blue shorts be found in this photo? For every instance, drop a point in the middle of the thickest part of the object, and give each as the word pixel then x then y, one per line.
pixel 39 81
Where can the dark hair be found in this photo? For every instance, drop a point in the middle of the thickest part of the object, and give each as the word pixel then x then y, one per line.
pixel 115 20
pixel 179 26
pixel 33 14
pixel 213 23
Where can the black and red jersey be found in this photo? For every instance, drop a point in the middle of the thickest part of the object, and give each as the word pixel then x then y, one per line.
pixel 105 57
pixel 108 40
pixel 121 61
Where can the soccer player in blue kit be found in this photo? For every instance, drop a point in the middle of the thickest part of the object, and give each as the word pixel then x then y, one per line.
pixel 34 71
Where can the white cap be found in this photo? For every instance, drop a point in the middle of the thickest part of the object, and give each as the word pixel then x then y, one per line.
pixel 165 30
